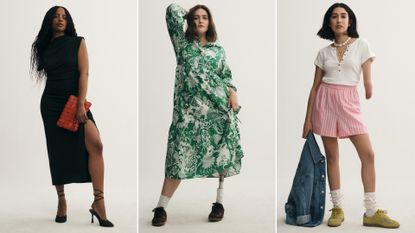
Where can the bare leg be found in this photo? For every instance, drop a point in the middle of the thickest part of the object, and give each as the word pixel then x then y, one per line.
pixel 331 148
pixel 367 158
pixel 95 165
pixel 61 200
pixel 160 215
pixel 169 186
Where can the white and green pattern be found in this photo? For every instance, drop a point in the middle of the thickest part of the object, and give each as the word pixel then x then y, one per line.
pixel 204 136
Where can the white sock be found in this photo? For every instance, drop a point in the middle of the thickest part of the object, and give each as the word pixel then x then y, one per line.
pixel 369 202
pixel 163 201
pixel 219 193
pixel 336 198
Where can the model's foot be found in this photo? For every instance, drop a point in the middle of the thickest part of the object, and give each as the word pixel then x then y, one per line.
pixel 217 212
pixel 61 213
pixel 380 219
pixel 61 207
pixel 160 217
pixel 337 217
pixel 99 207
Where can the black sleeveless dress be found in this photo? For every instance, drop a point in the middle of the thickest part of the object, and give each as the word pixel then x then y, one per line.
pixel 68 157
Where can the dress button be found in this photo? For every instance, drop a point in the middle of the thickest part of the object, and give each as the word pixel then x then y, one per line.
pixel 321 207
pixel 322 176
pixel 322 191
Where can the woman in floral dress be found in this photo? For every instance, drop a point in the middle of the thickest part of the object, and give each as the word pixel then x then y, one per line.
pixel 203 137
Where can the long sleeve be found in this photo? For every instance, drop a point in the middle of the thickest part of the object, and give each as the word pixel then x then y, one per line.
pixel 175 20
pixel 226 73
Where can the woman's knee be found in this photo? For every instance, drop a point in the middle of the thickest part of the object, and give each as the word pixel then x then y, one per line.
pixel 368 157
pixel 332 157
pixel 332 153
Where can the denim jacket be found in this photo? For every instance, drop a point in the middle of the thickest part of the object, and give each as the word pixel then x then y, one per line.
pixel 306 202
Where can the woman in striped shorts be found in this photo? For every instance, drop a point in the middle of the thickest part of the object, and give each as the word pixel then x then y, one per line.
pixel 333 109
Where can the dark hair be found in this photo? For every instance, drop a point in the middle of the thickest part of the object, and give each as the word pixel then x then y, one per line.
pixel 191 32
pixel 325 31
pixel 44 37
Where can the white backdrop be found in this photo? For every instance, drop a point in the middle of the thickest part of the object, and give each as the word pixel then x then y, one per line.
pixel 246 31
pixel 27 198
pixel 389 114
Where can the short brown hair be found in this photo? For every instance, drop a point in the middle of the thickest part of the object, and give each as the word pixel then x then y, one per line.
pixel 325 31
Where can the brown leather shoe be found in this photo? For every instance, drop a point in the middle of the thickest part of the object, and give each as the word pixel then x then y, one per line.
pixel 160 217
pixel 217 212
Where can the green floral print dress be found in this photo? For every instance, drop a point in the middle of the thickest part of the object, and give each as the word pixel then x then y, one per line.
pixel 204 138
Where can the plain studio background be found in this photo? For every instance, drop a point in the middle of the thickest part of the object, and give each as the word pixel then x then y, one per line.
pixel 389 114
pixel 245 30
pixel 28 200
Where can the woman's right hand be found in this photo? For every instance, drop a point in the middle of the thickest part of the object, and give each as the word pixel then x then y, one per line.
pixel 308 126
pixel 81 114
pixel 233 100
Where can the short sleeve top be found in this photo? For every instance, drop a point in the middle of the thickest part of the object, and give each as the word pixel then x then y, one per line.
pixel 348 70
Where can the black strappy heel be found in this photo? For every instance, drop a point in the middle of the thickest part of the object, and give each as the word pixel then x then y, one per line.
pixel 99 195
pixel 60 219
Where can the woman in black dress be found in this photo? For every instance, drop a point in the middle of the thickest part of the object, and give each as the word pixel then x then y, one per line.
pixel 60 57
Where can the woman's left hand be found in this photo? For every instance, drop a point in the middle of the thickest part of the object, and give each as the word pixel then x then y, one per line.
pixel 233 100
pixel 81 114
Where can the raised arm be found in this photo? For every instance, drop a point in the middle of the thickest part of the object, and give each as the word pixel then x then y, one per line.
pixel 175 19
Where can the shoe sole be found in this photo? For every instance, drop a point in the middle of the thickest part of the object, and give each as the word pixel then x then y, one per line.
pixel 336 225
pixel 375 225
pixel 60 219
pixel 215 219
pixel 158 224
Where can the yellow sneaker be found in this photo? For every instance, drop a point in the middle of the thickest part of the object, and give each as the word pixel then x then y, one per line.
pixel 380 219
pixel 336 218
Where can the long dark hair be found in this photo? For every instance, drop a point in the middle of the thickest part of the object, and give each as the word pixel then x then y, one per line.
pixel 43 39
pixel 191 32
pixel 325 31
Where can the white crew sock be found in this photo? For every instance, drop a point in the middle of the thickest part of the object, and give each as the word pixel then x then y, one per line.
pixel 336 198
pixel 163 201
pixel 370 203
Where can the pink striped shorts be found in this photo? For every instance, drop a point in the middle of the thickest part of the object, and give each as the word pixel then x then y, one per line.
pixel 336 111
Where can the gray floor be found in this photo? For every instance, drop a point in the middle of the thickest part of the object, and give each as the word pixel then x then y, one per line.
pixel 32 210
pixel 353 208
pixel 247 209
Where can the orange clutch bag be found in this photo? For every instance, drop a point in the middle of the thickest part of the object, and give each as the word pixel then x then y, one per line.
pixel 67 119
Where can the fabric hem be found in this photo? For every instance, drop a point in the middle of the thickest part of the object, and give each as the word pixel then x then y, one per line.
pixel 303 219
pixel 194 177
pixel 353 134
pixel 73 182
pixel 340 136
